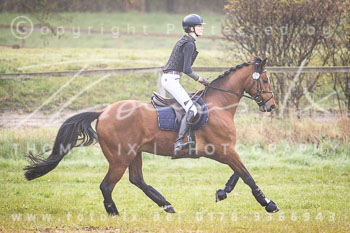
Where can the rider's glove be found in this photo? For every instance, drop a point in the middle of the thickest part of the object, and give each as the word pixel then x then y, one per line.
pixel 203 81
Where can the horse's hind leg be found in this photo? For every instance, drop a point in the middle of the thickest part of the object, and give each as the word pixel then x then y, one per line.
pixel 118 163
pixel 114 174
pixel 136 178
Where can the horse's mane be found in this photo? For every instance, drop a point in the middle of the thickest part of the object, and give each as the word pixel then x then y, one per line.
pixel 255 60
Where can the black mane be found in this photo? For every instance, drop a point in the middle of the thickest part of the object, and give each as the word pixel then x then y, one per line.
pixel 256 60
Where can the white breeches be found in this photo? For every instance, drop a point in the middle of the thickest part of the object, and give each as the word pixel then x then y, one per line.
pixel 171 83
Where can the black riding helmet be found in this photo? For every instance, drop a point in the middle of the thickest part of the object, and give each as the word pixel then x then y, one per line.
pixel 191 21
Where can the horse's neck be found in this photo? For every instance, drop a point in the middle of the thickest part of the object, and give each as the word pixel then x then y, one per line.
pixel 224 100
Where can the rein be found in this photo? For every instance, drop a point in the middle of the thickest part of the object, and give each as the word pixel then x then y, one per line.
pixel 229 91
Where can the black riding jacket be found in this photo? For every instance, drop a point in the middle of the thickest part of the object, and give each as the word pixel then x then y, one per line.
pixel 182 57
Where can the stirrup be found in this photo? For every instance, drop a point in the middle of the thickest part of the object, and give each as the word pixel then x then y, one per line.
pixel 183 145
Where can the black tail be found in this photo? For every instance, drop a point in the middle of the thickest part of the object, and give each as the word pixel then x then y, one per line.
pixel 75 129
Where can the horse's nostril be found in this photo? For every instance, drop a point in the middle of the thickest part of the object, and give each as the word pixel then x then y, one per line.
pixel 273 106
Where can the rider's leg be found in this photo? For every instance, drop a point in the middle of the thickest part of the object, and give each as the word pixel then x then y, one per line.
pixel 184 125
pixel 171 83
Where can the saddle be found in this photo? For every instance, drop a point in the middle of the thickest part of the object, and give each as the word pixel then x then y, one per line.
pixel 170 113
pixel 161 101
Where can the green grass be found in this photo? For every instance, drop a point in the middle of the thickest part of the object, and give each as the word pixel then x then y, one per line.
pixel 311 190
pixel 103 23
pixel 27 94
pixel 103 52
pixel 50 60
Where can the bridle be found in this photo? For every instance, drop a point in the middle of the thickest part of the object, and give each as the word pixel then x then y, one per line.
pixel 257 98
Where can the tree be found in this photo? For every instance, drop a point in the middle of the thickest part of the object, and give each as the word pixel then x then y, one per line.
pixel 336 50
pixel 287 32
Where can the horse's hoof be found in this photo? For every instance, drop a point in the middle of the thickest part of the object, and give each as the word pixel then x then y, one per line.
pixel 271 207
pixel 111 208
pixel 220 195
pixel 169 209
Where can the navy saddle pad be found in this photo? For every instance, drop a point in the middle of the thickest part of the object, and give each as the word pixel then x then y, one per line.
pixel 167 117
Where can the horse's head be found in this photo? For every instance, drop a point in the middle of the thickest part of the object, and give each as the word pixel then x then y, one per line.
pixel 258 86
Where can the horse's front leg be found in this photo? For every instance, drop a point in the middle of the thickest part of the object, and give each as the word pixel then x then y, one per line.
pixel 229 186
pixel 234 161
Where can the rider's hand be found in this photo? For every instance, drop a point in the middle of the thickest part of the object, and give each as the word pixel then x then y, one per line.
pixel 203 81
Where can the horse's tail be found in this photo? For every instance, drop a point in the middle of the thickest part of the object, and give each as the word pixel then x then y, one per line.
pixel 75 129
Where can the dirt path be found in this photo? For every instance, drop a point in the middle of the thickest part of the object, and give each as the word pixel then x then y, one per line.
pixel 18 120
pixel 13 120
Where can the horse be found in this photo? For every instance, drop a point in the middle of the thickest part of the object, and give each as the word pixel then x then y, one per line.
pixel 127 128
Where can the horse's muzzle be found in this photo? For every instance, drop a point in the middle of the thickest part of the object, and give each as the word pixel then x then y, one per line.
pixel 265 108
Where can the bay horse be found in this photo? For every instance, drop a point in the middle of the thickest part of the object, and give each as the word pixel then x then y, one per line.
pixel 127 128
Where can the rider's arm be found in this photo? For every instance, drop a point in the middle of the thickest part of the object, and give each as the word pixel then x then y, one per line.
pixel 188 50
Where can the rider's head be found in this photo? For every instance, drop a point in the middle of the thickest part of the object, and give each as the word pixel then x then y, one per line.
pixel 193 23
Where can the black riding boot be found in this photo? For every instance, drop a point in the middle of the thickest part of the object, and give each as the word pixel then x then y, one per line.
pixel 184 125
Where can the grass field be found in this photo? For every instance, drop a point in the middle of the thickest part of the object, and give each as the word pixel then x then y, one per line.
pixel 106 23
pixel 100 52
pixel 25 95
pixel 309 182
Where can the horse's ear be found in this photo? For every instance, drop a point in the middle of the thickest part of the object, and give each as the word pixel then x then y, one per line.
pixel 252 58
pixel 263 63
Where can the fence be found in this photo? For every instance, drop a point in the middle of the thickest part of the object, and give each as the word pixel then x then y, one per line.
pixel 271 69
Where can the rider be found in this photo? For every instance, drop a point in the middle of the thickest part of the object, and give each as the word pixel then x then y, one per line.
pixel 181 59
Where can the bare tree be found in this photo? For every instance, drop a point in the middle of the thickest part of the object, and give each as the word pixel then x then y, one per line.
pixel 336 50
pixel 287 32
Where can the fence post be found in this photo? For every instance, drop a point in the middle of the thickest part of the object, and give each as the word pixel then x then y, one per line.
pixel 160 89
pixel 23 42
